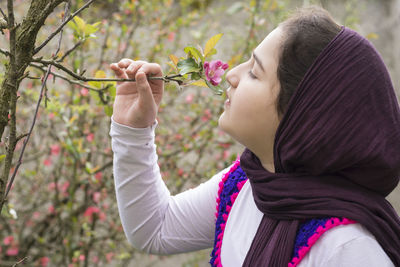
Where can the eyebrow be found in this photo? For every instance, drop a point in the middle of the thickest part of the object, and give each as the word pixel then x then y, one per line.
pixel 258 61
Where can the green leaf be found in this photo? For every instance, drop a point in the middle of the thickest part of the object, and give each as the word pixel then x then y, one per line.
pixel 113 91
pixel 188 65
pixel 2 157
pixel 193 51
pixel 200 83
pixel 195 76
pixel 211 43
pixel 95 95
pixel 212 52
pixel 108 110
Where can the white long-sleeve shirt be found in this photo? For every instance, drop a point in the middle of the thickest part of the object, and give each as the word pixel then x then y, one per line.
pixel 158 223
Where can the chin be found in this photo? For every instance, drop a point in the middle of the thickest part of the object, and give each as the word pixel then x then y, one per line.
pixel 222 123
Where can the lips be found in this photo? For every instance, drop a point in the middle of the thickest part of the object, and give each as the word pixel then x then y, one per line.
pixel 228 101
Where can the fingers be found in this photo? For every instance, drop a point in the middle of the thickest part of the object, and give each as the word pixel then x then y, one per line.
pixel 151 69
pixel 125 62
pixel 120 73
pixel 144 90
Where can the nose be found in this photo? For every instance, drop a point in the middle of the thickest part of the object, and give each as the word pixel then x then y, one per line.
pixel 232 77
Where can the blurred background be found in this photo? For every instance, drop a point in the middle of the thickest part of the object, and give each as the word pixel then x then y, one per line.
pixel 62 209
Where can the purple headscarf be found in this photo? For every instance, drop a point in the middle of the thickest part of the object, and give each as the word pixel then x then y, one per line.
pixel 336 153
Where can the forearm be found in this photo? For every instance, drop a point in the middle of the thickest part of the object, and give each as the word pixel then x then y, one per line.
pixel 153 220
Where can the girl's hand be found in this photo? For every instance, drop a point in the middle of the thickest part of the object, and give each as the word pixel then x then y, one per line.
pixel 136 103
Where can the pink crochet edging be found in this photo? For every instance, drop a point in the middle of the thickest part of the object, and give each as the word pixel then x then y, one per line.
pixel 218 245
pixel 311 241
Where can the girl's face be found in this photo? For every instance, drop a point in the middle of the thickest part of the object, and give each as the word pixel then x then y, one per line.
pixel 250 114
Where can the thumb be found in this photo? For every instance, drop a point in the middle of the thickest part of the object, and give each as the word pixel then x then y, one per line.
pixel 143 87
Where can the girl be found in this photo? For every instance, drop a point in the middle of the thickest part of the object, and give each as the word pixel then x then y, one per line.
pixel 316 110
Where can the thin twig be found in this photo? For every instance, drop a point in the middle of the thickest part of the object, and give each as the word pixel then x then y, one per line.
pixel 85 79
pixel 20 261
pixel 252 25
pixel 70 51
pixel 29 134
pixel 69 80
pixel 5 52
pixel 66 11
pixel 51 36
pixel 4 15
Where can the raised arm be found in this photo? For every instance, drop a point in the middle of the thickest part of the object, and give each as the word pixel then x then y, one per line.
pixel 153 220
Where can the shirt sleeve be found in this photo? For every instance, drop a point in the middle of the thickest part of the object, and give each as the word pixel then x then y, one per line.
pixel 360 252
pixel 152 219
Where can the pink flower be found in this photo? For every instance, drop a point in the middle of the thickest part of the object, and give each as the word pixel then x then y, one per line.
pixel 214 70
pixel 44 261
pixel 98 176
pixel 90 211
pixel 90 137
pixel 84 92
pixel 171 36
pixel 55 149
pixel 47 162
pixel 109 256
pixel 51 186
pixel 51 209
pixel 64 186
pixel 12 251
pixel 96 197
pixel 189 98
pixel 8 240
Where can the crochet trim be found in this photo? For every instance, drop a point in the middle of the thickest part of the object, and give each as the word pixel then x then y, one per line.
pixel 330 223
pixel 219 238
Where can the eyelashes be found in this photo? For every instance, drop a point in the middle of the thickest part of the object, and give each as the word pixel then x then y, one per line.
pixel 252 75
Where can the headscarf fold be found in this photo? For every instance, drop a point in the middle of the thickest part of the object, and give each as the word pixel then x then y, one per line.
pixel 336 153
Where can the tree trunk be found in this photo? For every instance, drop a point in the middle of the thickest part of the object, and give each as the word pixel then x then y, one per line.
pixel 23 43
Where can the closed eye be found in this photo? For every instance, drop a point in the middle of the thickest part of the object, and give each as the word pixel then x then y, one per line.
pixel 252 75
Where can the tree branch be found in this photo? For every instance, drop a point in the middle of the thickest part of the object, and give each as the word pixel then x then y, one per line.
pixel 51 36
pixel 68 80
pixel 70 51
pixel 47 62
pixel 5 52
pixel 28 136
pixel 4 15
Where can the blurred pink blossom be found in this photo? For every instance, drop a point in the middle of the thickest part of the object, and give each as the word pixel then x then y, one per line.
pixel 44 261
pixel 189 98
pixel 51 209
pixel 84 92
pixel 171 36
pixel 12 251
pixel 98 176
pixel 8 240
pixel 64 187
pixel 109 256
pixel 90 137
pixel 47 162
pixel 214 70
pixel 55 149
pixel 90 211
pixel 51 115
pixel 96 197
